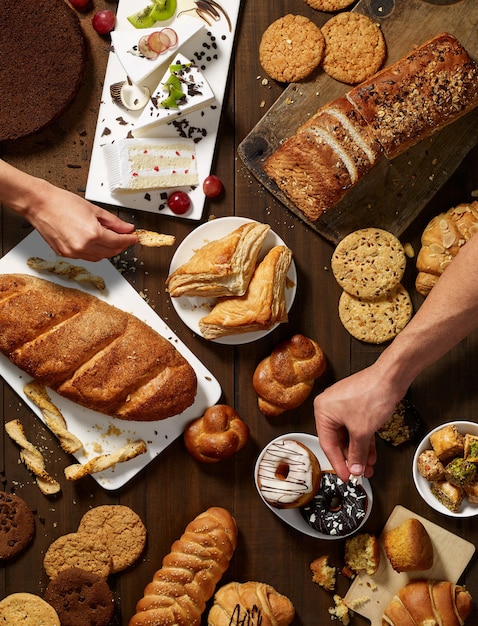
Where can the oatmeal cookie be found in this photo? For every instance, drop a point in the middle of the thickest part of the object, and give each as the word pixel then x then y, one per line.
pixel 368 263
pixel 27 609
pixel 355 47
pixel 376 321
pixel 120 528
pixel 291 48
pixel 77 550
pixel 329 5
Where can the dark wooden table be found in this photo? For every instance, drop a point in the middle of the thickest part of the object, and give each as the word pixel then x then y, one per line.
pixel 174 488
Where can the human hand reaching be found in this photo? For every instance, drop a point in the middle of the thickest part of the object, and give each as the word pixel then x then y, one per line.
pixel 78 229
pixel 348 414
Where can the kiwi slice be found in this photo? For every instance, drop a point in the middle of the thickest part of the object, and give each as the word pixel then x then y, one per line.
pixel 163 9
pixel 143 18
pixel 169 103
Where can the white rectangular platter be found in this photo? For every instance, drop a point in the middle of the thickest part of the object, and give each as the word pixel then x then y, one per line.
pixel 99 433
pixel 213 45
pixel 381 587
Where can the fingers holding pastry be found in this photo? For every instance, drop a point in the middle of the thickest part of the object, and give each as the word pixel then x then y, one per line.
pixel 217 435
pixel 152 239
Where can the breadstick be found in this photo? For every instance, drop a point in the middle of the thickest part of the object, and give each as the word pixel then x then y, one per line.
pixel 63 268
pixel 32 458
pixel 154 240
pixel 105 461
pixel 52 416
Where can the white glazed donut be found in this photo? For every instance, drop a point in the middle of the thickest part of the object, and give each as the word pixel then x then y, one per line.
pixel 288 474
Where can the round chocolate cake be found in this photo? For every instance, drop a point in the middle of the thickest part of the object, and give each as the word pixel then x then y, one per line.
pixel 42 59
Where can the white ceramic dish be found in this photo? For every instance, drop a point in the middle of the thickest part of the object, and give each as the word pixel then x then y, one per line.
pixel 211 47
pixel 293 517
pixel 99 433
pixel 191 310
pixel 467 509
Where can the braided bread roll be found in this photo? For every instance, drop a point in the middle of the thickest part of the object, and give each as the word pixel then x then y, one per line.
pixel 178 593
pixel 250 603
pixel 428 602
pixel 441 240
pixel 284 379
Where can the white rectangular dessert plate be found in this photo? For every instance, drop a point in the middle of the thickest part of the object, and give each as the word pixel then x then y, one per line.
pixel 211 47
pixel 99 433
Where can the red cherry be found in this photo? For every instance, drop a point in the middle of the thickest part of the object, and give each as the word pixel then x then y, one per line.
pixel 104 21
pixel 80 4
pixel 179 202
pixel 212 186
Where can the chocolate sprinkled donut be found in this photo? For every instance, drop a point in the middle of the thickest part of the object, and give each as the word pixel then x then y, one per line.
pixel 337 508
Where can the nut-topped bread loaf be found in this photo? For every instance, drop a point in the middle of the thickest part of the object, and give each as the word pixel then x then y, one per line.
pixel 91 352
pixel 402 104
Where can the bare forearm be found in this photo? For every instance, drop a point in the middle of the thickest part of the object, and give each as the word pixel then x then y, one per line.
pixel 20 191
pixel 449 313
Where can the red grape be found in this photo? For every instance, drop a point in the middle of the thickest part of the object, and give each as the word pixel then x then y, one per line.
pixel 179 202
pixel 80 4
pixel 212 186
pixel 104 21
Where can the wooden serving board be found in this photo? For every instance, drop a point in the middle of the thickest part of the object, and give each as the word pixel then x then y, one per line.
pixel 394 192
pixel 381 587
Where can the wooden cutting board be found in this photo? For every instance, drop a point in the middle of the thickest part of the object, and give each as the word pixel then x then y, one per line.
pixel 394 192
pixel 381 587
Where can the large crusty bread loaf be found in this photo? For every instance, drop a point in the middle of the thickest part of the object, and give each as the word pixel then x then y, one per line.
pixel 422 602
pixel 432 86
pixel 179 591
pixel 91 352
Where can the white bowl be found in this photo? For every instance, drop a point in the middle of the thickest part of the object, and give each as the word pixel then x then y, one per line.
pixel 423 486
pixel 293 517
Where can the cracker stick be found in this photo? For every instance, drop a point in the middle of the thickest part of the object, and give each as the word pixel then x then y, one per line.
pixel 105 461
pixel 32 458
pixel 67 270
pixel 154 240
pixel 52 416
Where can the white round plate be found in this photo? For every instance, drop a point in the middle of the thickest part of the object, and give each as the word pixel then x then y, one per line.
pixel 191 310
pixel 293 517
pixel 467 509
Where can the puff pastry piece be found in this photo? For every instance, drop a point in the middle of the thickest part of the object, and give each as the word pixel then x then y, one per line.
pixel 263 304
pixel 222 267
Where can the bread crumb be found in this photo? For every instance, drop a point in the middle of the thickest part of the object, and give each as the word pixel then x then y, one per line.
pixel 340 611
pixel 322 573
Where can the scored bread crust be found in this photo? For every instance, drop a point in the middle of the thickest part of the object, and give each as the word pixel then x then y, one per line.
pixel 91 352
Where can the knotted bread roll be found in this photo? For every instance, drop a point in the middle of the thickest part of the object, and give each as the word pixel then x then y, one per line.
pixel 284 379
pixel 217 435
pixel 428 602
pixel 190 572
pixel 250 603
